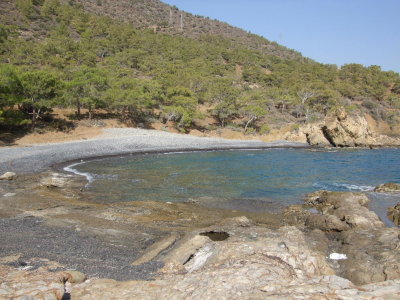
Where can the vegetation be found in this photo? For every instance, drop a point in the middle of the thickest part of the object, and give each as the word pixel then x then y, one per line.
pixel 56 54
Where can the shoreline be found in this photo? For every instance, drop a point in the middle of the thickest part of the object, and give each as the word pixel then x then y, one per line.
pixel 120 141
pixel 52 226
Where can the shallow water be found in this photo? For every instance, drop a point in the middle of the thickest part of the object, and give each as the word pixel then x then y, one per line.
pixel 244 179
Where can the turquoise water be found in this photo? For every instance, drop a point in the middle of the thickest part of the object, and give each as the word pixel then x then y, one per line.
pixel 247 180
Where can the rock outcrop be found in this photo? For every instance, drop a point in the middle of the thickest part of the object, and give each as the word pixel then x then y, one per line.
pixel 341 211
pixel 340 129
pixel 36 284
pixel 56 180
pixel 250 262
pixel 372 249
pixel 237 259
pixel 389 187
pixel 394 214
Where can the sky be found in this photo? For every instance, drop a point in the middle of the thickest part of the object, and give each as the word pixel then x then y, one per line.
pixel 329 31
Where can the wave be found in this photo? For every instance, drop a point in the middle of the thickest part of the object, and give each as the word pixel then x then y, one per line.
pixel 88 176
pixel 343 186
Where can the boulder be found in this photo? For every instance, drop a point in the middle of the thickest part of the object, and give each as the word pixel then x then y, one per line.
pixel 36 285
pixel 371 247
pixel 72 276
pixel 389 187
pixel 55 181
pixel 8 176
pixel 394 214
pixel 315 136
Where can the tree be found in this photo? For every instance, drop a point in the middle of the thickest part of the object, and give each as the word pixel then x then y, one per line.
pixel 131 96
pixel 26 7
pixel 10 86
pixel 10 94
pixel 253 107
pixel 3 34
pixel 305 95
pixel 50 8
pixel 40 90
pixel 224 96
pixel 179 105
pixel 85 88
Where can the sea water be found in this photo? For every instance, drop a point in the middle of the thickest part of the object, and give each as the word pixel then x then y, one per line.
pixel 244 180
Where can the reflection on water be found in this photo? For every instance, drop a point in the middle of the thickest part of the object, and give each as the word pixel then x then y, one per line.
pixel 248 178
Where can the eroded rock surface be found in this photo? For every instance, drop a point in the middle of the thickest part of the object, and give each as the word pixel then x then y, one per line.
pixel 340 129
pixel 372 249
pixel 394 214
pixel 252 263
pixel 237 259
pixel 389 187
pixel 27 282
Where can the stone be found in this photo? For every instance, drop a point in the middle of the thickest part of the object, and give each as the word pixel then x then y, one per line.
pixel 73 276
pixel 9 195
pixel 39 284
pixel 181 254
pixel 394 214
pixel 326 223
pixel 55 181
pixel 389 187
pixel 8 176
pixel 156 249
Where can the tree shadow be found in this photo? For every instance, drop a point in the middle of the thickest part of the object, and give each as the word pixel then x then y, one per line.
pixel 8 136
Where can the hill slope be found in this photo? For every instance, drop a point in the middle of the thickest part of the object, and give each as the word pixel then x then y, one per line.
pixel 205 76
pixel 164 18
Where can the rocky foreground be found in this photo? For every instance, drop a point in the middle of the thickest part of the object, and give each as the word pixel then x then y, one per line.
pixel 338 250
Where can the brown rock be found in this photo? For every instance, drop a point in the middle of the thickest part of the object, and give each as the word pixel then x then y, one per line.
pixel 8 176
pixel 340 129
pixel 394 214
pixel 156 249
pixel 73 276
pixel 33 285
pixel 326 223
pixel 389 187
pixel 371 248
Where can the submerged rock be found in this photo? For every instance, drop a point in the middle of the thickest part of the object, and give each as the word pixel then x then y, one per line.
pixel 389 187
pixel 8 176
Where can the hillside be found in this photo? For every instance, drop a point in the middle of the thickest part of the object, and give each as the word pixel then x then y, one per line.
pixel 170 20
pixel 132 60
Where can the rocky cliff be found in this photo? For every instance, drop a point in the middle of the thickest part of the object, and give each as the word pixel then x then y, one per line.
pixel 340 129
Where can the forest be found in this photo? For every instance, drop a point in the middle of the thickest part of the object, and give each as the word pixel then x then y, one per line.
pixel 57 55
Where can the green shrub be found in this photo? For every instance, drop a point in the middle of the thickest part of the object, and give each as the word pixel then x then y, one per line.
pixel 265 129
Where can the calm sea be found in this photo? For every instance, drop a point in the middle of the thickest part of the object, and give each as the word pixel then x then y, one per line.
pixel 243 180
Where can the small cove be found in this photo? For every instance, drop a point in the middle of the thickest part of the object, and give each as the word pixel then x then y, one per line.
pixel 251 180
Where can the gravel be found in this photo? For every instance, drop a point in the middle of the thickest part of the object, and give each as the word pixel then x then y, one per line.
pixel 30 237
pixel 117 141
